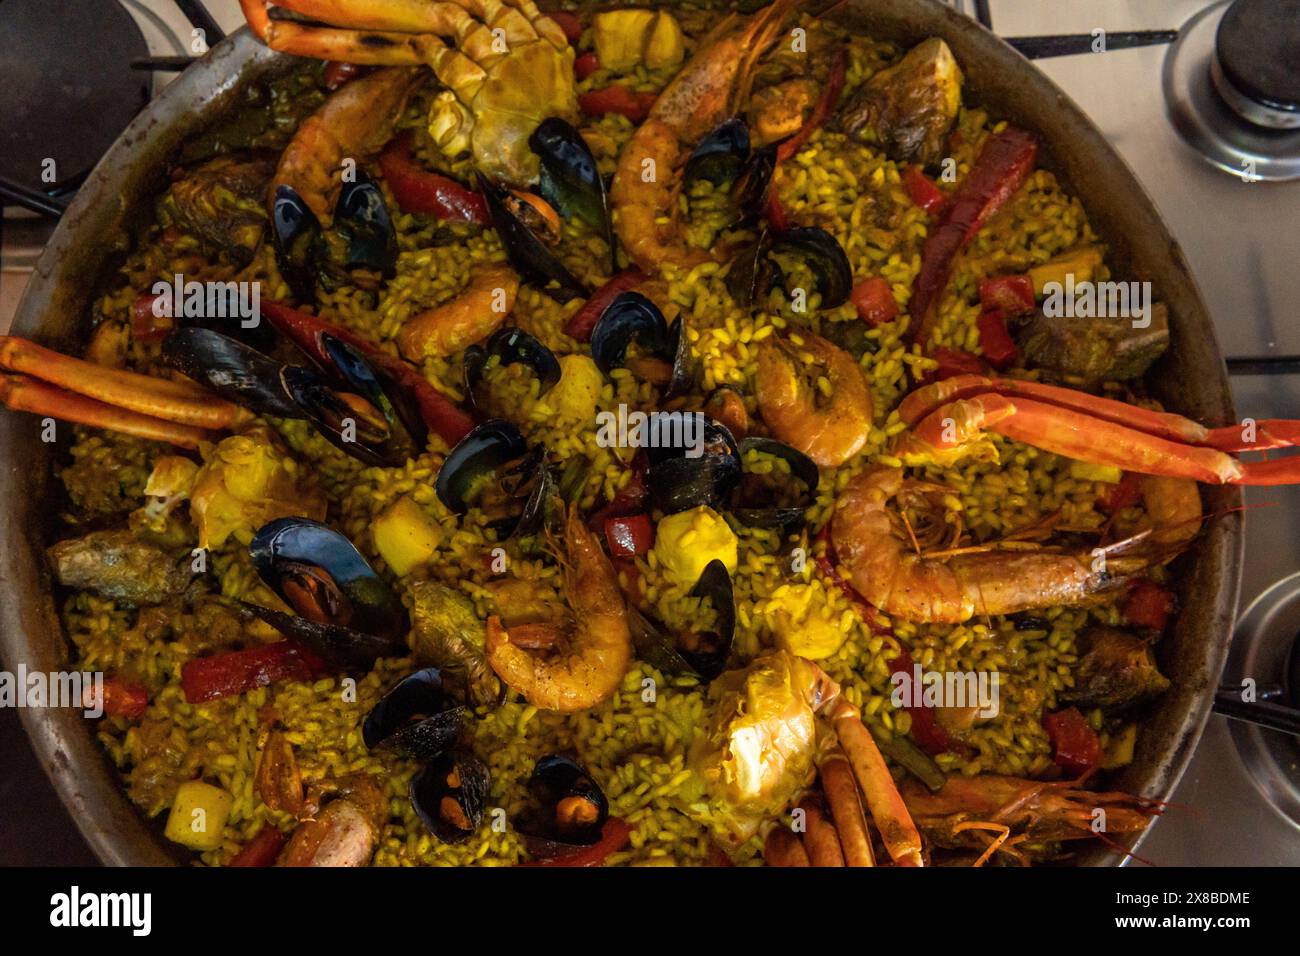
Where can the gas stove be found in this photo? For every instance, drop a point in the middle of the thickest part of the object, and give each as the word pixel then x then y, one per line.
pixel 1229 191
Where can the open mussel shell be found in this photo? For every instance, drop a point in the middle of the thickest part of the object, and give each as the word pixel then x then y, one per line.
pixel 345 612
pixel 388 430
pixel 704 653
pixel 677 481
pixel 526 251
pixel 232 369
pixel 570 180
pixel 362 237
pixel 747 505
pixel 417 717
pixel 296 233
pixel 720 157
pixel 475 458
pixel 571 807
pixel 749 194
pixel 495 453
pixel 755 272
pixel 365 229
pixel 511 346
pixel 449 795
pixel 632 317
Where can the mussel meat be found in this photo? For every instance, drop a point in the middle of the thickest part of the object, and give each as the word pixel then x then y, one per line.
pixel 450 794
pixel 663 354
pixel 570 811
pixel 344 610
pixel 570 180
pixel 527 252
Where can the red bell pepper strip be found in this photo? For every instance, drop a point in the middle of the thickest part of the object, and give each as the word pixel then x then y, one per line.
pixel 995 341
pixel 1123 494
pixel 613 837
pixel 1076 748
pixel 824 107
pixel 145 325
pixel 629 535
pixel 617 99
pixel 236 672
pixel 874 300
pixel 569 23
pixel 337 73
pixel 443 417
pixel 584 320
pixel 120 698
pixel 585 64
pixel 953 362
pixel 1003 166
pixel 922 190
pixel 419 191
pixel 261 851
pixel 1013 295
pixel 926 730
pixel 1148 605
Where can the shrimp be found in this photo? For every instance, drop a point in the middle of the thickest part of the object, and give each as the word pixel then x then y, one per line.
pixel 354 121
pixel 1016 811
pixel 345 832
pixel 709 89
pixel 470 317
pixel 881 561
pixel 829 429
pixel 592 657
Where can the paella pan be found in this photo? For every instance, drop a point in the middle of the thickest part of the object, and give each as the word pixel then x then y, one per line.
pixel 621 436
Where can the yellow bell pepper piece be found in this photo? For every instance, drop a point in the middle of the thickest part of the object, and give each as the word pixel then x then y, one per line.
pixel 406 536
pixel 198 815
pixel 1081 263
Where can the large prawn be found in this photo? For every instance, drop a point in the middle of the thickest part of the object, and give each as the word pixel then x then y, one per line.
pixel 712 87
pixel 585 665
pixel 880 558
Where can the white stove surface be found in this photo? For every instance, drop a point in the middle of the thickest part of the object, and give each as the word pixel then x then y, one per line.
pixel 1244 247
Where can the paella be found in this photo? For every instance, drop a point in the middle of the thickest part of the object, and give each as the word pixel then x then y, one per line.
pixel 649 435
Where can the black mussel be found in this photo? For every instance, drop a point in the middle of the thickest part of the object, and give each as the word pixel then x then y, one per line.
pixel 663 352
pixel 346 613
pixel 231 369
pixel 720 156
pixel 701 652
pixel 375 420
pixel 511 346
pixel 631 317
pixel 360 243
pixel 493 468
pixel 296 233
pixel 475 459
pixel 702 469
pixel 450 794
pixel 417 717
pixel 751 503
pixel 571 808
pixel 362 222
pixel 570 180
pixel 527 252
pixel 757 270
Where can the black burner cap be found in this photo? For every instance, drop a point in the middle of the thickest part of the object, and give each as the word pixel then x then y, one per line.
pixel 1259 50
pixel 66 86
